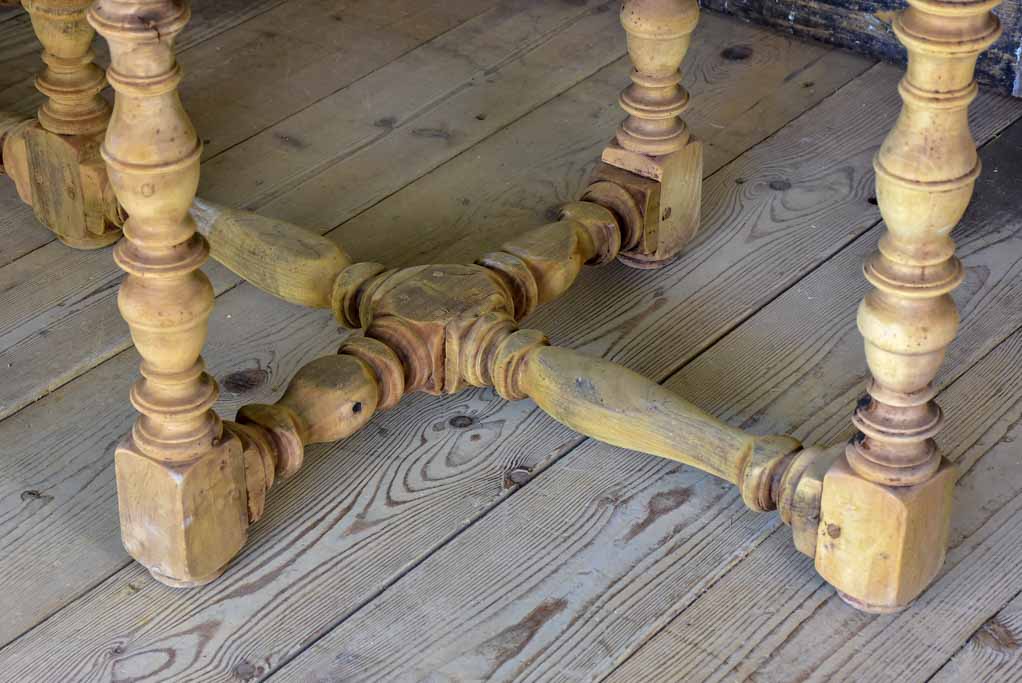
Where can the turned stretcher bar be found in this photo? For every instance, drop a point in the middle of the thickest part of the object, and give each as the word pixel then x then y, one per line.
pixel 441 328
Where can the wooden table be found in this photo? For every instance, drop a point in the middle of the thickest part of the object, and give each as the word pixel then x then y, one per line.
pixel 874 513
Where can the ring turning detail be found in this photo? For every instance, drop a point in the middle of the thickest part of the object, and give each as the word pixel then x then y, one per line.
pixel 874 513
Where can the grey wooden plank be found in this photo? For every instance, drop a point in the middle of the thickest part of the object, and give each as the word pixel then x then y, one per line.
pixel 731 112
pixel 62 308
pixel 18 226
pixel 78 462
pixel 19 49
pixel 445 475
pixel 991 653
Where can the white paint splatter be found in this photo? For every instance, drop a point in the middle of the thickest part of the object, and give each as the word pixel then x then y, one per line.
pixel 1016 89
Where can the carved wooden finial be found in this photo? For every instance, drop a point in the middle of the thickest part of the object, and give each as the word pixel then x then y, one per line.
pixel 70 80
pixel 177 465
pixel 659 33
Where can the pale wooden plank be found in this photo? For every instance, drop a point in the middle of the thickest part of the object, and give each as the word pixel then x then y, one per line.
pixel 398 539
pixel 737 642
pixel 42 320
pixel 291 57
pixel 638 541
pixel 237 81
pixel 63 308
pixel 20 232
pixel 420 87
pixel 992 653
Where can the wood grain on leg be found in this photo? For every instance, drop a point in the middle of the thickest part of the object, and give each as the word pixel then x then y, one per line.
pixel 180 477
pixel 926 170
pixel 55 160
pixel 653 143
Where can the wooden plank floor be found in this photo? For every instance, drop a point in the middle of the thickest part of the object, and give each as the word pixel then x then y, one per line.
pixel 432 130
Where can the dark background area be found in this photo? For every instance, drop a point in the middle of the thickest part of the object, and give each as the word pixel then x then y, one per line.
pixel 865 26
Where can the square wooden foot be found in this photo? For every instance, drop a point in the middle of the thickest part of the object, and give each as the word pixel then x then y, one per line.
pixel 668 192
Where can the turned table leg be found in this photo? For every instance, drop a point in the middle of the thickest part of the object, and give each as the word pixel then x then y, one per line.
pixel 653 156
pixel 925 172
pixel 61 172
pixel 70 79
pixel 180 477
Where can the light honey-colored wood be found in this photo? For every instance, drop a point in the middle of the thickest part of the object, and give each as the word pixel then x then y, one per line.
pixel 612 404
pixel 644 562
pixel 925 170
pixel 294 264
pixel 368 522
pixel 659 34
pixel 453 326
pixel 726 93
pixel 55 161
pixel 302 267
pixel 653 141
pixel 441 328
pixel 802 629
pixel 329 399
pixel 180 477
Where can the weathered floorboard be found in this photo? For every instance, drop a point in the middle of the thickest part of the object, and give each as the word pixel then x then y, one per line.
pixel 333 551
pixel 19 49
pixel 534 621
pixel 732 109
pixel 77 446
pixel 21 233
pixel 992 653
pixel 470 498
pixel 601 550
pixel 93 274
